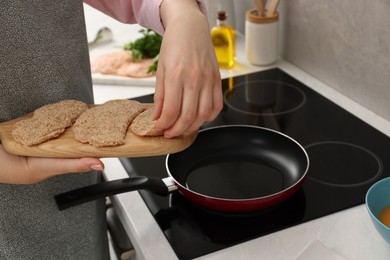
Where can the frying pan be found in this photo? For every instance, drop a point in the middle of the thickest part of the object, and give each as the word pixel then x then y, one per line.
pixel 233 169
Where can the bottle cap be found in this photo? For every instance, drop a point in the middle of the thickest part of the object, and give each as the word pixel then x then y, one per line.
pixel 222 15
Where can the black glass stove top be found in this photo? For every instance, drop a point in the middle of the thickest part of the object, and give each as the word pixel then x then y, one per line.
pixel 346 157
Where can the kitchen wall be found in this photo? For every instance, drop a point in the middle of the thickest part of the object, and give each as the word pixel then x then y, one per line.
pixel 345 44
pixel 235 8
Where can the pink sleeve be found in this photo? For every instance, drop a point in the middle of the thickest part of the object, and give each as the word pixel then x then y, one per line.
pixel 144 12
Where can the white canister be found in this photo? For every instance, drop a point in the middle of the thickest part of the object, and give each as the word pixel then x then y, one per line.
pixel 261 38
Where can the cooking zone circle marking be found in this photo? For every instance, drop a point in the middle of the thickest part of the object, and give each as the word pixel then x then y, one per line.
pixel 345 164
pixel 264 98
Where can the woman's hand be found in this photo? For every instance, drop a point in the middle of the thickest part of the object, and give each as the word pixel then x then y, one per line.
pixel 27 170
pixel 188 88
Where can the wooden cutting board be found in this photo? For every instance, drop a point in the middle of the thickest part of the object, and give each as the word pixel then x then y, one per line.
pixel 66 146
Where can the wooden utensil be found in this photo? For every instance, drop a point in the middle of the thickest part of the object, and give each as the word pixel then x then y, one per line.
pixel 66 146
pixel 260 6
pixel 273 5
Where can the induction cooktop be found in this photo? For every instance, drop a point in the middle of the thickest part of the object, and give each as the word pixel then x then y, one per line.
pixel 346 157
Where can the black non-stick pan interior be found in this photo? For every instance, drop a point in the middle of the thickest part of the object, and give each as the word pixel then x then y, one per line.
pixel 239 162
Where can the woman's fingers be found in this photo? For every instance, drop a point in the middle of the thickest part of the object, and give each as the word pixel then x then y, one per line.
pixel 184 105
pixel 208 107
pixel 188 88
pixel 43 168
pixel 28 170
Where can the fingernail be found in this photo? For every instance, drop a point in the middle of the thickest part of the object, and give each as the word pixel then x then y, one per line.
pixel 96 167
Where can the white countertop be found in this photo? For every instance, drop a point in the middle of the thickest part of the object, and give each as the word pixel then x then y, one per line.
pixel 349 233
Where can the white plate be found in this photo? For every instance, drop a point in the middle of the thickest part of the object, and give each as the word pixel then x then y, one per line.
pixel 102 79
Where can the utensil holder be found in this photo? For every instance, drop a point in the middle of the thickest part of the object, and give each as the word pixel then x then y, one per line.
pixel 261 38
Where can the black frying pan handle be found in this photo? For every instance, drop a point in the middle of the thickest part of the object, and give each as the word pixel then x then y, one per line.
pixel 105 189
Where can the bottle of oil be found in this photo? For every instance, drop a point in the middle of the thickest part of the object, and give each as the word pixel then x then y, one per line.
pixel 223 37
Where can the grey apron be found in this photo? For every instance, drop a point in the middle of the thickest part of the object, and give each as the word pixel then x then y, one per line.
pixel 43 59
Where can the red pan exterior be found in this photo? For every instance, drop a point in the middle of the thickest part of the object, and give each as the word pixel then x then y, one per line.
pixel 241 205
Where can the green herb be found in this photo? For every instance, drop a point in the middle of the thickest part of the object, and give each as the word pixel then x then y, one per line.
pixel 146 47
pixel 153 67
